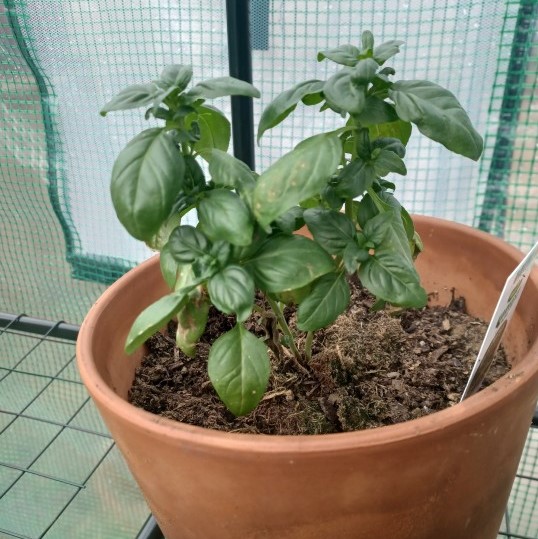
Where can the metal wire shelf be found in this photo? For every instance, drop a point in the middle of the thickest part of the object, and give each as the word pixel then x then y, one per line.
pixel 35 333
pixel 68 463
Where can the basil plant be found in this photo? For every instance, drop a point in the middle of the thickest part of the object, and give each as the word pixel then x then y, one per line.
pixel 244 244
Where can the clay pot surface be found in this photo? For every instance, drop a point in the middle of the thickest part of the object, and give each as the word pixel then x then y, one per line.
pixel 444 476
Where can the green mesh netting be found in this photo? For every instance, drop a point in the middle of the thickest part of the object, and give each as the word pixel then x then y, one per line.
pixel 61 60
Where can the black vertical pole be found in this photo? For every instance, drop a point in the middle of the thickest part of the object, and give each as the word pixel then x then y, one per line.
pixel 240 62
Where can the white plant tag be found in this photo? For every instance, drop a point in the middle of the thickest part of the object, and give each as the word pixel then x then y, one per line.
pixel 501 316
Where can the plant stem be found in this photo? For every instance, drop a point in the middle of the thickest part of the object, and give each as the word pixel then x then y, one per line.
pixel 308 345
pixel 349 208
pixel 376 200
pixel 287 331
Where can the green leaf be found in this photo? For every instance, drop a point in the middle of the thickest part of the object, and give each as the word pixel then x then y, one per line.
pixel 223 86
pixel 239 368
pixel 328 299
pixel 153 318
pixel 176 76
pixel 342 93
pixel 376 228
pixel 387 278
pixel 365 210
pixel 296 176
pixel 387 50
pixel 187 243
pixel 132 97
pixel 228 171
pixel 169 266
pixel 146 178
pixel 364 71
pixel 221 251
pixel 158 241
pixel 331 229
pixel 367 39
pixel 294 297
pixel 347 55
pixel 394 145
pixel 224 216
pixel 191 322
pixel 290 221
pixel 214 128
pixel 285 103
pixel 232 291
pixel 386 161
pixel 288 262
pixel 353 255
pixel 355 178
pixel 398 129
pixel 194 175
pixel 376 111
pixel 438 115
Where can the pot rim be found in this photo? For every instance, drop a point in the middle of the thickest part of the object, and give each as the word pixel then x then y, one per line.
pixel 494 396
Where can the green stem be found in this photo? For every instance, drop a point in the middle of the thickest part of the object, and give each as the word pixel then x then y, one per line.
pixel 308 345
pixel 349 208
pixel 258 309
pixel 376 200
pixel 285 328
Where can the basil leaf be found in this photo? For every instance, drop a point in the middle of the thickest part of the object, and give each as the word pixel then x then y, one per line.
pixel 347 55
pixel 290 221
pixel 194 175
pixel 285 103
pixel 228 171
pixel 132 97
pixel 331 229
pixel 224 216
pixel 376 111
pixel 355 178
pixel 215 130
pixel 239 368
pixel 385 161
pixel 398 129
pixel 364 71
pixel 191 323
pixel 146 178
pixel 327 300
pixel 343 94
pixel 376 228
pixel 394 145
pixel 223 86
pixel 387 50
pixel 288 262
pixel 153 318
pixel 367 39
pixel 176 76
pixel 353 255
pixel 169 266
pixel 232 291
pixel 187 243
pixel 296 176
pixel 438 115
pixel 387 278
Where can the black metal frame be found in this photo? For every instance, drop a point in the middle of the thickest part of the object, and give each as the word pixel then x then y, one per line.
pixel 240 64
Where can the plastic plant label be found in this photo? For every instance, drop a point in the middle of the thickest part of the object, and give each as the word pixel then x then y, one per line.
pixel 501 316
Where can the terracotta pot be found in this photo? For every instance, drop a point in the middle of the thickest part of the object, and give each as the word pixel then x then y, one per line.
pixel 445 476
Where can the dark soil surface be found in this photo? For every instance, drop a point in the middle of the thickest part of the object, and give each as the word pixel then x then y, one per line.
pixel 368 369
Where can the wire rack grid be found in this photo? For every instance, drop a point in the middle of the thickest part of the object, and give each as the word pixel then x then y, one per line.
pixel 60 470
